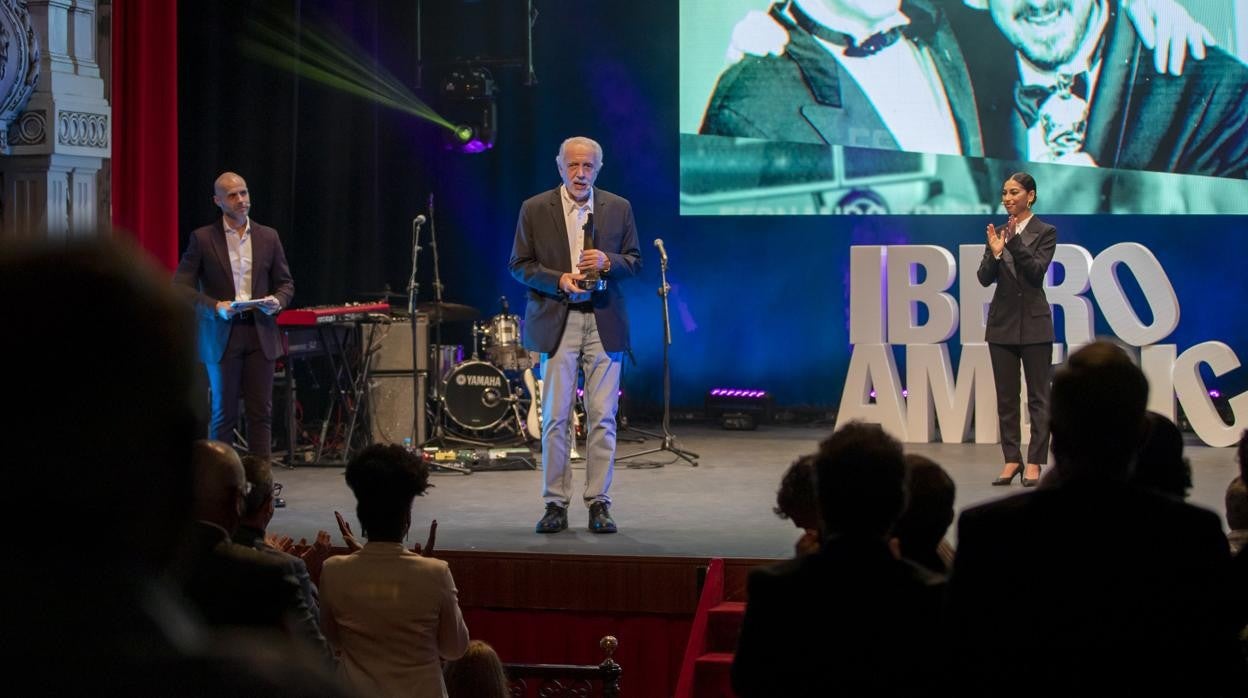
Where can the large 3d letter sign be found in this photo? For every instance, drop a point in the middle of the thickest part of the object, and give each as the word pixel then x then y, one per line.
pixel 885 300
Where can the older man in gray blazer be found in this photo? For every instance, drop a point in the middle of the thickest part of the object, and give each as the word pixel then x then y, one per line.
pixel 563 235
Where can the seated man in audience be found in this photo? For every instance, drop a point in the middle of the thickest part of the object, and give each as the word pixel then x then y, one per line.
pixel 850 619
pixel 920 532
pixel 1089 585
pixel 258 508
pixel 236 586
pixel 795 500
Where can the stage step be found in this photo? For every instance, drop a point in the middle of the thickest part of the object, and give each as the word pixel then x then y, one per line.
pixel 724 626
pixel 713 676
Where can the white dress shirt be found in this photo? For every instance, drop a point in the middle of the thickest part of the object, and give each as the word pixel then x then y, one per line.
pixel 240 258
pixel 574 215
pixel 905 88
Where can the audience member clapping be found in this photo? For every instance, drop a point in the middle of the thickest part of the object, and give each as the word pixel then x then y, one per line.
pixel 392 614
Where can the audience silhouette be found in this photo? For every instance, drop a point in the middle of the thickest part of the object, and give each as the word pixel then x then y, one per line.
pixel 796 501
pixel 1160 465
pixel 920 532
pixel 101 448
pixel 1091 586
pixel 851 618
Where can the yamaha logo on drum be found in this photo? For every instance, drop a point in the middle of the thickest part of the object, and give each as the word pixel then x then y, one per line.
pixel 479 381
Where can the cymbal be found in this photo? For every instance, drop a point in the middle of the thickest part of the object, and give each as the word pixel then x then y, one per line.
pixel 381 295
pixel 448 312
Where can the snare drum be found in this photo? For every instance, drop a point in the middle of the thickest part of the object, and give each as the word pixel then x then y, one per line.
pixel 476 395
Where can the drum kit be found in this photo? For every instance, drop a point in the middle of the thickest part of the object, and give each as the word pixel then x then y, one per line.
pixel 492 394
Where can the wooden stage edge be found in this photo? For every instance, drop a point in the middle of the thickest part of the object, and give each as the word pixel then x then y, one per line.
pixel 589 583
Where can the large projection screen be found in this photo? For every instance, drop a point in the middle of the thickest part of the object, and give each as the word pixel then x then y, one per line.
pixel 933 116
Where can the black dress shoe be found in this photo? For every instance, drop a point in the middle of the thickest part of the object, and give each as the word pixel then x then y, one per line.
pixel 555 519
pixel 600 520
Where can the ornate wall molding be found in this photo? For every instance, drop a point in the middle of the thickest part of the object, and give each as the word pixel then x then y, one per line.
pixel 31 128
pixel 19 63
pixel 82 129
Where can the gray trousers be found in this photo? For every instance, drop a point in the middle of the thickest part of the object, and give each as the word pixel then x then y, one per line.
pixel 580 349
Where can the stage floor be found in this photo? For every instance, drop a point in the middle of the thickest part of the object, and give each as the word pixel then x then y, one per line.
pixel 722 508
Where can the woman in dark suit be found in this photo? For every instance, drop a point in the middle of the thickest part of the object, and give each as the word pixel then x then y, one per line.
pixel 1020 325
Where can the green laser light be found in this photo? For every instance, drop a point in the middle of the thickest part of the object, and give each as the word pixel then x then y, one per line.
pixel 463 133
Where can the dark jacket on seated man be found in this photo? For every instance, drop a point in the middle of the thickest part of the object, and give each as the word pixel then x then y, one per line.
pixel 848 620
pixel 234 585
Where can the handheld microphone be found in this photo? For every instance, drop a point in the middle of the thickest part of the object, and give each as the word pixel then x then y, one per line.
pixel 658 242
pixel 506 306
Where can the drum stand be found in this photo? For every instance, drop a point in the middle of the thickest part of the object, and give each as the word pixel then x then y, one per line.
pixel 669 441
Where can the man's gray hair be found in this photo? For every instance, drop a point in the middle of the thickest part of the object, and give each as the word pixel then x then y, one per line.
pixel 579 140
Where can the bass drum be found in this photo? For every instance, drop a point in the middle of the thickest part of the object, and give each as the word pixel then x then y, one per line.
pixel 476 396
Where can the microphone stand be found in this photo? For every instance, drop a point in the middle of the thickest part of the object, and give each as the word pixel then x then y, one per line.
pixel 413 290
pixel 669 441
pixel 439 435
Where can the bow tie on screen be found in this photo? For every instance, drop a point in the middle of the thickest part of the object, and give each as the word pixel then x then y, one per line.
pixel 919 29
pixel 1030 98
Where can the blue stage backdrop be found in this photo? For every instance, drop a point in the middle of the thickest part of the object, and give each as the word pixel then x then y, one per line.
pixel 757 301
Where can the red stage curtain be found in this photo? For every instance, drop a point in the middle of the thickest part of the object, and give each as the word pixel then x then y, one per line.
pixel 651 646
pixel 145 125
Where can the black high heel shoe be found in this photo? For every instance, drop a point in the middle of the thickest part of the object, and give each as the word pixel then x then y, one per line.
pixel 1018 472
pixel 1032 483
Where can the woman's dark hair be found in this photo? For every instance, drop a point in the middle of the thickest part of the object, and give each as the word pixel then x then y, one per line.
pixel 796 497
pixel 385 479
pixel 1027 182
pixel 477 674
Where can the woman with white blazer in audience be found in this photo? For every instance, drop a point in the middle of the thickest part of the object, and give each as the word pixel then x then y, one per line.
pixel 391 614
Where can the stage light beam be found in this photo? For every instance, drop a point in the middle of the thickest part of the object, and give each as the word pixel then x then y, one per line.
pixel 335 62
